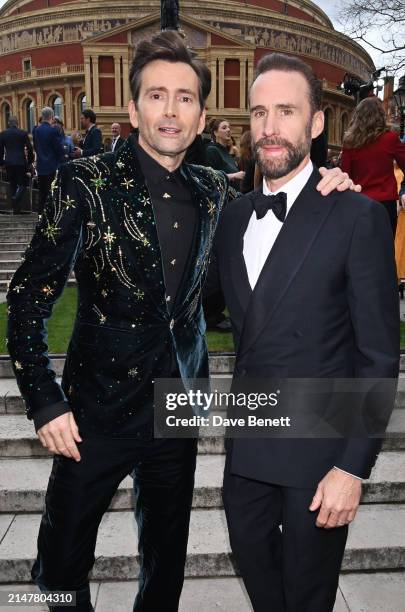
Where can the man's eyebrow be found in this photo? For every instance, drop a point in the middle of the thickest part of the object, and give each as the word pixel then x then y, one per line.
pixel 281 105
pixel 161 88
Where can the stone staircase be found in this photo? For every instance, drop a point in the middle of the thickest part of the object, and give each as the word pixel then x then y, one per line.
pixel 373 576
pixel 373 573
pixel 15 235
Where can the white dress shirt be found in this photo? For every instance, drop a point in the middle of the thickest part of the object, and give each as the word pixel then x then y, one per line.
pixel 261 234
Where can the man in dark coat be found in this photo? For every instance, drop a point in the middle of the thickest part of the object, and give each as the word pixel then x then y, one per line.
pixel 48 145
pixel 311 288
pixel 92 143
pixel 16 155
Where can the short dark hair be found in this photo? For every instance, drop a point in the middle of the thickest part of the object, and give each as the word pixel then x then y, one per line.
pixel 89 113
pixel 287 63
pixel 168 46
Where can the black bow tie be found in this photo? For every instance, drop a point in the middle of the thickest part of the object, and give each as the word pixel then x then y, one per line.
pixel 277 203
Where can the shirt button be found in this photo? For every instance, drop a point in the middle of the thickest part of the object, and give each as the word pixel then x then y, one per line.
pixel 168 298
pixel 173 262
pixel 171 324
pixel 176 225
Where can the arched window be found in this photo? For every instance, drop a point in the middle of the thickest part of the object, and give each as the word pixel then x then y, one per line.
pixel 82 103
pixel 5 115
pixel 29 114
pixel 56 103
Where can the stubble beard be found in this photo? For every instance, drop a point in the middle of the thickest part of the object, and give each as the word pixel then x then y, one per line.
pixel 275 168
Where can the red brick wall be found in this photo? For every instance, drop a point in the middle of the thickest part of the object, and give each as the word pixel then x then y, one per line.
pixel 107 91
pixel 52 56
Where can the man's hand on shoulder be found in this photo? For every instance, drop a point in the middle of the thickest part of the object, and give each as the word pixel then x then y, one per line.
pixel 335 179
pixel 60 435
pixel 338 497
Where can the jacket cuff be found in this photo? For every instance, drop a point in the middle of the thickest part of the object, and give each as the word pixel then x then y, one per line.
pixel 46 414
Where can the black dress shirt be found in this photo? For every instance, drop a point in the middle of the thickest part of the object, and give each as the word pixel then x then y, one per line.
pixel 176 219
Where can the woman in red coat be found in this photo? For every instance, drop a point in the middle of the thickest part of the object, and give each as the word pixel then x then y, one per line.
pixel 369 151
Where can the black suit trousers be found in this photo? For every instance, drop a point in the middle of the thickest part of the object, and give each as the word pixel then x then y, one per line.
pixel 292 569
pixel 78 495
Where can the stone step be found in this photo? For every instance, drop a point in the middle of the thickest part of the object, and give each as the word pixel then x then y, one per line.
pixel 11 255
pixel 12 245
pixel 376 542
pixel 9 264
pixel 357 592
pixel 203 594
pixel 23 483
pixel 18 438
pixel 7 274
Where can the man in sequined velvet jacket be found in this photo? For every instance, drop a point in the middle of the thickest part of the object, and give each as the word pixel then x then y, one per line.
pixel 136 226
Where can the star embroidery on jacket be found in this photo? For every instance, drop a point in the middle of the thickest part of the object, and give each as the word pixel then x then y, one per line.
pixel 98 182
pixel 166 195
pixel 18 288
pixel 127 183
pixel 54 184
pixel 139 213
pixel 120 164
pixel 47 290
pixel 50 232
pixel 18 365
pixel 133 372
pixel 211 207
pixel 109 237
pixel 69 202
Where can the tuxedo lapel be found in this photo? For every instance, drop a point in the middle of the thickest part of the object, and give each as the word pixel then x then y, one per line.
pixel 299 231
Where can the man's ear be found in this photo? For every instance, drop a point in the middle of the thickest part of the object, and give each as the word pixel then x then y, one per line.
pixel 133 114
pixel 201 123
pixel 318 124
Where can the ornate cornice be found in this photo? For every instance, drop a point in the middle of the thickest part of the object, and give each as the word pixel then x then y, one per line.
pixel 67 24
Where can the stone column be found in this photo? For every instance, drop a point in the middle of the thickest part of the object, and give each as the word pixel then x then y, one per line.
pixel 125 81
pixel 96 83
pixel 68 107
pixel 242 83
pixel 117 80
pixel 87 81
pixel 221 83
pixel 212 98
pixel 250 71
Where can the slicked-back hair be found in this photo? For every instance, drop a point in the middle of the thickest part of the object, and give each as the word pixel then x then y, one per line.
pixel 169 47
pixel 287 63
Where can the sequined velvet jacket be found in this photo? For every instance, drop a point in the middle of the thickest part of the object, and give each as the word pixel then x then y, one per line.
pixel 99 221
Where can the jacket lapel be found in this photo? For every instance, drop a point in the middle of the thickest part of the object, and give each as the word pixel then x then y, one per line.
pixel 299 231
pixel 209 203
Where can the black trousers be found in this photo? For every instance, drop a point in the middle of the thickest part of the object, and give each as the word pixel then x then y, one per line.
pixel 17 177
pixel 44 188
pixel 80 493
pixel 295 569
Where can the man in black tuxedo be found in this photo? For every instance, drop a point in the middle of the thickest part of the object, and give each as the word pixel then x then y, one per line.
pixel 311 288
pixel 16 154
pixel 92 143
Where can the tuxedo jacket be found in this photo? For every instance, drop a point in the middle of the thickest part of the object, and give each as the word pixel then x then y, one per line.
pixel 325 306
pixel 92 142
pixel 99 221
